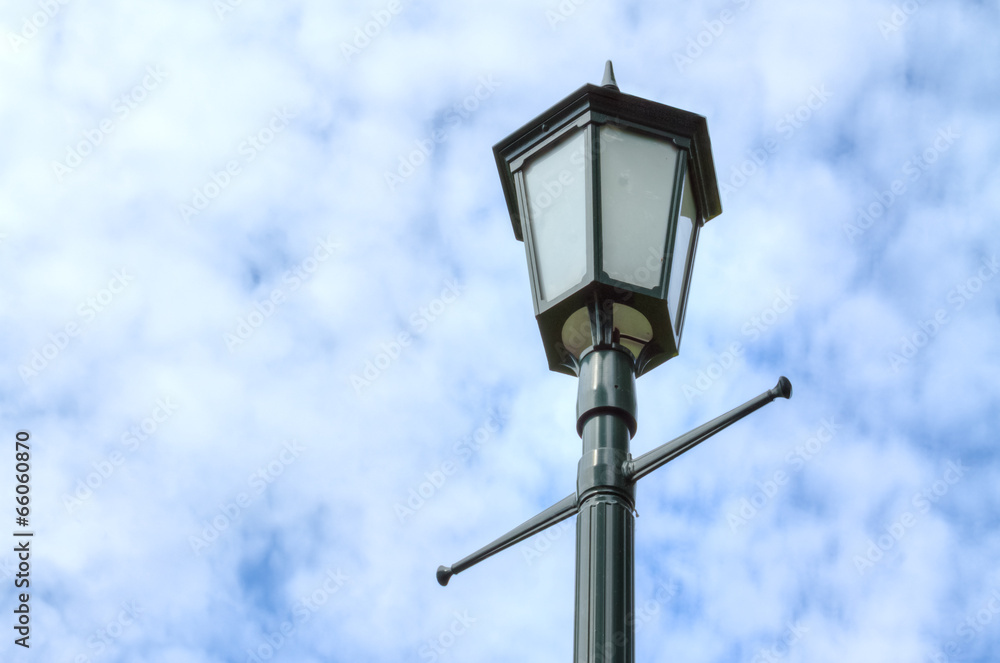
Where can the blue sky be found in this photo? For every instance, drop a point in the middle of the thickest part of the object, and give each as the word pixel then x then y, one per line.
pixel 270 331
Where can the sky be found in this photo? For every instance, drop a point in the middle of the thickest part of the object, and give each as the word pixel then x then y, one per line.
pixel 269 335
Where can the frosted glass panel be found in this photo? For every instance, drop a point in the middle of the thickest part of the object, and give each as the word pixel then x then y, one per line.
pixel 557 216
pixel 637 184
pixel 678 261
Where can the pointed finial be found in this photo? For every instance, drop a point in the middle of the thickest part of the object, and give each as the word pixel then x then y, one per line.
pixel 609 77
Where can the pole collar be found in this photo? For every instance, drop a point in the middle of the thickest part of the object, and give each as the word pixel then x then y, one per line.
pixel 607 386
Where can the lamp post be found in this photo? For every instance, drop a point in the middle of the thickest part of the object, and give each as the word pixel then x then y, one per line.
pixel 609 193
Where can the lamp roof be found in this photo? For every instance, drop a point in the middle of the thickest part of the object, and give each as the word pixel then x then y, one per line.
pixel 609 101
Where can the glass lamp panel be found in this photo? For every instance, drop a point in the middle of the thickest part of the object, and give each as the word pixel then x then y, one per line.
pixel 686 220
pixel 637 186
pixel 557 216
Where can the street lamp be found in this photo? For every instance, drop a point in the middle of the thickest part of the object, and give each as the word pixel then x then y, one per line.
pixel 609 192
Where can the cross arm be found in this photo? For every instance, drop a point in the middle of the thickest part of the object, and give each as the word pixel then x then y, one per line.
pixel 556 513
pixel 639 467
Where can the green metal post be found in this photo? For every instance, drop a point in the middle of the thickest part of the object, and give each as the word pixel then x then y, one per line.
pixel 605 584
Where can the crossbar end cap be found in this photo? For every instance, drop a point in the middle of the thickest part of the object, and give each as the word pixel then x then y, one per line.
pixel 784 387
pixel 444 574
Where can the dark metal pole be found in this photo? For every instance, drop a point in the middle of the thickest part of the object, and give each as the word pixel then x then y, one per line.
pixel 605 584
